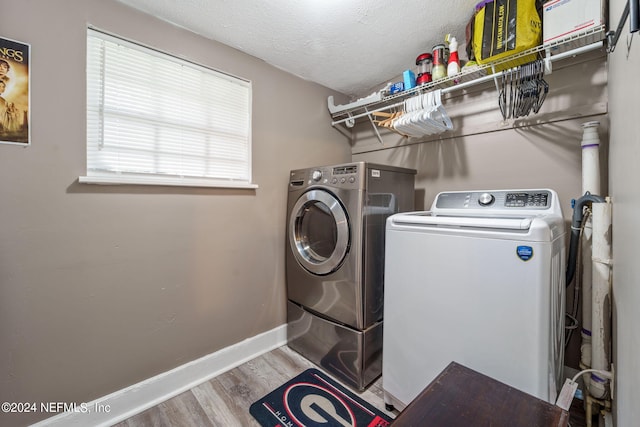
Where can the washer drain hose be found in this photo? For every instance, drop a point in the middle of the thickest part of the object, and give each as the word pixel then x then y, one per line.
pixel 576 223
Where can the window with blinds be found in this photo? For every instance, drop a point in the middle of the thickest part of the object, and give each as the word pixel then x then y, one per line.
pixel 153 118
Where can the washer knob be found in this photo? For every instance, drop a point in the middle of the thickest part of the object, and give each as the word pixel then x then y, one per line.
pixel 316 175
pixel 486 199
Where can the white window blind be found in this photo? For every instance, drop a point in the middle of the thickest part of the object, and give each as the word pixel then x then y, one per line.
pixel 153 118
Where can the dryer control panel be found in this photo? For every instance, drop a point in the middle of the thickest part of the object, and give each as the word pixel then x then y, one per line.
pixel 341 176
pixel 351 176
pixel 344 174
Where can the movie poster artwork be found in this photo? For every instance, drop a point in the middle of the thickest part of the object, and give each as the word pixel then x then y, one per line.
pixel 14 92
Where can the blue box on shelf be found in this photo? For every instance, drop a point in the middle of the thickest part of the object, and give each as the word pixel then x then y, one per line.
pixel 409 79
pixel 396 87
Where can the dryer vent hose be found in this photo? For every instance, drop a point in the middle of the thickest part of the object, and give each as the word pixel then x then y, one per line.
pixel 576 223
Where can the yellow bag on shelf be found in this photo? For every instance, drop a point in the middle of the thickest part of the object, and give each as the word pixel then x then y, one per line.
pixel 505 27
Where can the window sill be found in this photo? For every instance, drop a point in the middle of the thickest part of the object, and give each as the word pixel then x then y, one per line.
pixel 174 182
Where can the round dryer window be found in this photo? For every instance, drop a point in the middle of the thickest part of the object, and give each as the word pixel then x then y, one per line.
pixel 319 232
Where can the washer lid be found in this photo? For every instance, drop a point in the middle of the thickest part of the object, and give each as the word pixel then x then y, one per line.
pixel 539 228
pixel 426 219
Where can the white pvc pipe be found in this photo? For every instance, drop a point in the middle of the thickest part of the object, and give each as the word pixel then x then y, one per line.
pixel 585 332
pixel 590 182
pixel 590 158
pixel 601 300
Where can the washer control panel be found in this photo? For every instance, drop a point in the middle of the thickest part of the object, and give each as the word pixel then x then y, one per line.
pixel 503 200
pixel 527 200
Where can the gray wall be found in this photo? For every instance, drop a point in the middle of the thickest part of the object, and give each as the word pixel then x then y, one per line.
pixel 102 287
pixel 624 178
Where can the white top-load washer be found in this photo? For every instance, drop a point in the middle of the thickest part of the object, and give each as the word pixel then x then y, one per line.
pixel 479 280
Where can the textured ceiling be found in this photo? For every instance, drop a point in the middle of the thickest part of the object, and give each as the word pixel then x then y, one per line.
pixel 351 46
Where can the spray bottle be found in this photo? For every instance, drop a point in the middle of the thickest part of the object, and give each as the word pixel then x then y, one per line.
pixel 453 67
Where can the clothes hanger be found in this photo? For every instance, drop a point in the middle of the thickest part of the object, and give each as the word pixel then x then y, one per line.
pixel 439 115
pixel 502 97
pixel 543 87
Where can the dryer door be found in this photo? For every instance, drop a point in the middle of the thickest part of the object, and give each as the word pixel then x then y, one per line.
pixel 319 232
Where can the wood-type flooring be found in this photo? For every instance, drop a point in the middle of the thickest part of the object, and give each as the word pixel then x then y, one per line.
pixel 224 401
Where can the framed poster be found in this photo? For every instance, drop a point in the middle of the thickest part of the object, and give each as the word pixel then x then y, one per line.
pixel 14 92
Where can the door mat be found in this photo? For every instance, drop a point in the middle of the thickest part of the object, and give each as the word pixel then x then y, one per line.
pixel 312 399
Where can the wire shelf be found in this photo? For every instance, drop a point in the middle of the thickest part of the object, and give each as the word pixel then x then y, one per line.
pixel 476 74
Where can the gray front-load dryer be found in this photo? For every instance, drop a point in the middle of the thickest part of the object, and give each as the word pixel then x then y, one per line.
pixel 335 263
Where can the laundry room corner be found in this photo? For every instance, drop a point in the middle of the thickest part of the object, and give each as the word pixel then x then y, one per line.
pixel 485 151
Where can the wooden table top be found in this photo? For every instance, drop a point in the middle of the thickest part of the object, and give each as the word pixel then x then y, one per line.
pixel 462 397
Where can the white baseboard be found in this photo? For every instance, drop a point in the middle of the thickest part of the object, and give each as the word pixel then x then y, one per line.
pixel 134 399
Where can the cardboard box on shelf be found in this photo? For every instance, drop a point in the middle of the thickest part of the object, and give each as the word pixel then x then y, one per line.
pixel 565 18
